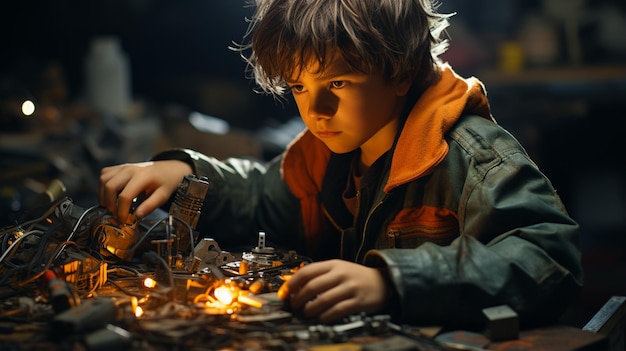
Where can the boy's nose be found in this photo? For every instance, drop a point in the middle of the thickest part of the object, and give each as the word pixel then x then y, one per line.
pixel 322 106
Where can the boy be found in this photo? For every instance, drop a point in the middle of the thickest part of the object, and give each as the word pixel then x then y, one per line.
pixel 408 195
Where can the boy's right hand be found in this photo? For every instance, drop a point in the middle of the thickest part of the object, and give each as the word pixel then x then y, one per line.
pixel 157 181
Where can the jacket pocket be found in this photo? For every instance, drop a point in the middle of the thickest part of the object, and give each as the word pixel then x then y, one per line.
pixel 413 227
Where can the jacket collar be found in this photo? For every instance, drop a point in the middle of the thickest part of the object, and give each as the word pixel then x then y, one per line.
pixel 421 145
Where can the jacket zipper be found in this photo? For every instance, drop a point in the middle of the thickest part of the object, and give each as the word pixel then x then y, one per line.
pixel 367 219
pixel 339 229
pixel 392 235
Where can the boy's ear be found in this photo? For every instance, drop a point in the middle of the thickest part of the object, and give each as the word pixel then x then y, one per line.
pixel 402 87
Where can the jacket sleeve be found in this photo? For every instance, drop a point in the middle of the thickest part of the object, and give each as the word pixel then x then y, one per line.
pixel 245 197
pixel 517 245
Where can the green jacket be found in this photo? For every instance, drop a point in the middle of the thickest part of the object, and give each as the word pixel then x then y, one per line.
pixel 460 222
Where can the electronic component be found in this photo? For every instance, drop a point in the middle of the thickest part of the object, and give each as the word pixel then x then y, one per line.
pixel 115 239
pixel 208 251
pixel 187 207
pixel 83 271
pixel 108 338
pixel 502 323
pixel 91 315
pixel 60 293
pixel 283 291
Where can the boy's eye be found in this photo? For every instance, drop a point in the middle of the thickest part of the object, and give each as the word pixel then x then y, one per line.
pixel 297 88
pixel 338 84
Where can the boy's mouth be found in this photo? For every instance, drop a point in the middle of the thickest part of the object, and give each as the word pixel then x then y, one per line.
pixel 327 134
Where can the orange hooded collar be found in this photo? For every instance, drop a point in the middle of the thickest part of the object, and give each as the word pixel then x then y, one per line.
pixel 420 147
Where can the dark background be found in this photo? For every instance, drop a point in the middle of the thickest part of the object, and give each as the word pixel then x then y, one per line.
pixel 565 102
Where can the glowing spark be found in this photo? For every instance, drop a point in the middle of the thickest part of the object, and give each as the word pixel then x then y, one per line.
pixel 224 295
pixel 138 311
pixel 149 283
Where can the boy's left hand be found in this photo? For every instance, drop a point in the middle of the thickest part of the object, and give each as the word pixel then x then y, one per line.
pixel 329 290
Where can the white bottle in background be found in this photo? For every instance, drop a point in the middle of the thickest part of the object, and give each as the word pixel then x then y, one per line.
pixel 107 73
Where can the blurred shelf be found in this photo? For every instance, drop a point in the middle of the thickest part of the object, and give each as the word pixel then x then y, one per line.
pixel 576 82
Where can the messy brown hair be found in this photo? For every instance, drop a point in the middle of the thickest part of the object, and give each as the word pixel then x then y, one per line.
pixel 400 38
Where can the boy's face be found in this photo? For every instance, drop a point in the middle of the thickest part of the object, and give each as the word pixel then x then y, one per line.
pixel 346 109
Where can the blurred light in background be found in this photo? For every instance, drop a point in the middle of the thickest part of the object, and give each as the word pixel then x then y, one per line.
pixel 28 108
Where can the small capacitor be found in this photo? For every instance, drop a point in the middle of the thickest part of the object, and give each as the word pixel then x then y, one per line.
pixel 283 291
pixel 243 267
pixel 257 286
